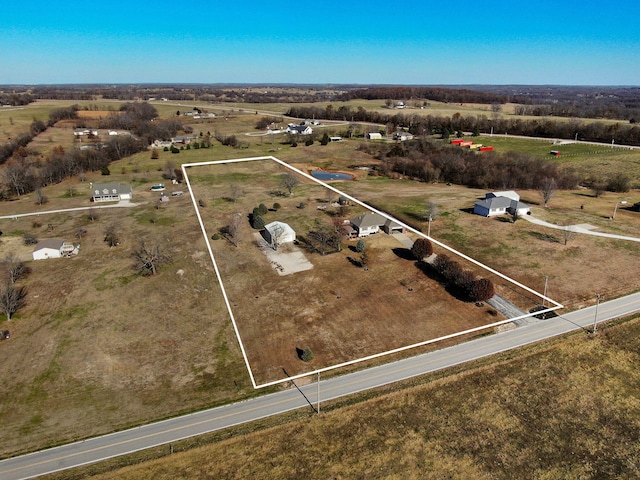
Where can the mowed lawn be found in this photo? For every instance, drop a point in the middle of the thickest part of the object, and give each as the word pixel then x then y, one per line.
pixel 339 310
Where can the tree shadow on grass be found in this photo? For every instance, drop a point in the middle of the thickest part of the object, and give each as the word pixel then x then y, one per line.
pixel 403 253
pixel 455 291
pixel 547 237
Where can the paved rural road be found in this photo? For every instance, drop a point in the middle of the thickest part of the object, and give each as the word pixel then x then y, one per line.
pixel 167 431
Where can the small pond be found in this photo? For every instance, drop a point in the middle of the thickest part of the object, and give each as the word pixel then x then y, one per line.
pixel 324 176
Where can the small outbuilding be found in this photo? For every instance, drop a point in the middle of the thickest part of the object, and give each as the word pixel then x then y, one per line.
pixel 277 233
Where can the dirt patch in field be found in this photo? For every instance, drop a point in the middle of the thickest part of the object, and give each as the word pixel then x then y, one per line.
pixel 93 114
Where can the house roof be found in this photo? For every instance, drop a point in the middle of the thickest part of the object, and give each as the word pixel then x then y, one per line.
pixel 500 202
pixel 373 219
pixel 52 243
pixel 110 189
pixel 367 220
pixel 505 193
pixel 494 203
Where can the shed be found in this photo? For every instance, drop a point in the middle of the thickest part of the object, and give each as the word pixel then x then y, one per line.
pixel 277 233
pixel 374 136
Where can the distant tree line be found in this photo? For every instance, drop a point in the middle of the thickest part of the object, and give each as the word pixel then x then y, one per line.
pixel 25 173
pixel 430 161
pixel 16 99
pixel 448 95
pixel 626 134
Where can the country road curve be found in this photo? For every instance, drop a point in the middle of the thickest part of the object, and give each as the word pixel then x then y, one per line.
pixel 172 430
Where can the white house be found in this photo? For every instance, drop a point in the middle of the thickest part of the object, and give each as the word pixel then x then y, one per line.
pixel 51 248
pixel 277 233
pixel 110 192
pixel 85 131
pixel 372 222
pixel 402 136
pixel 299 129
pixel 493 205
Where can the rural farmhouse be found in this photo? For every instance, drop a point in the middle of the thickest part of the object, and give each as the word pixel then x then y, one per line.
pixel 110 192
pixel 299 129
pixel 52 248
pixel 372 222
pixel 500 203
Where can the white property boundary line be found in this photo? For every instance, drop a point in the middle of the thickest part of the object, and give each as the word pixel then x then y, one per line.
pixel 186 166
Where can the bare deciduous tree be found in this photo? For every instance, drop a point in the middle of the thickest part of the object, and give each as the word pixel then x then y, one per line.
pixel 548 188
pixel 322 238
pixel 276 235
pixel 289 181
pixel 235 192
pixel 567 234
pixel 12 298
pixel 232 231
pixel 93 214
pixel 112 235
pixel 41 198
pixel 149 256
pixel 14 268
pixel 430 211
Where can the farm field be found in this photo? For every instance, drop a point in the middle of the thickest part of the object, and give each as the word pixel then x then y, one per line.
pixel 562 409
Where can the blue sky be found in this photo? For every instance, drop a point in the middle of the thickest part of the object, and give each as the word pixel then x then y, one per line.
pixel 421 42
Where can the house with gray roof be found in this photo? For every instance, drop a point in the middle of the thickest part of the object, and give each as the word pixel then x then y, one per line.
pixel 110 192
pixel 372 222
pixel 52 248
pixel 492 205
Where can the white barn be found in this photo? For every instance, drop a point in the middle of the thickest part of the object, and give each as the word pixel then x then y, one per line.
pixel 277 233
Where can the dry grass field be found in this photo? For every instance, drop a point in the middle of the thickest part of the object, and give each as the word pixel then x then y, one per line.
pixel 557 410
pixel 99 348
pixel 339 310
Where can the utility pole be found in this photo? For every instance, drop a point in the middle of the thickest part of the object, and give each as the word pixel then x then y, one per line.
pixel 615 210
pixel 546 282
pixel 318 394
pixel 595 318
